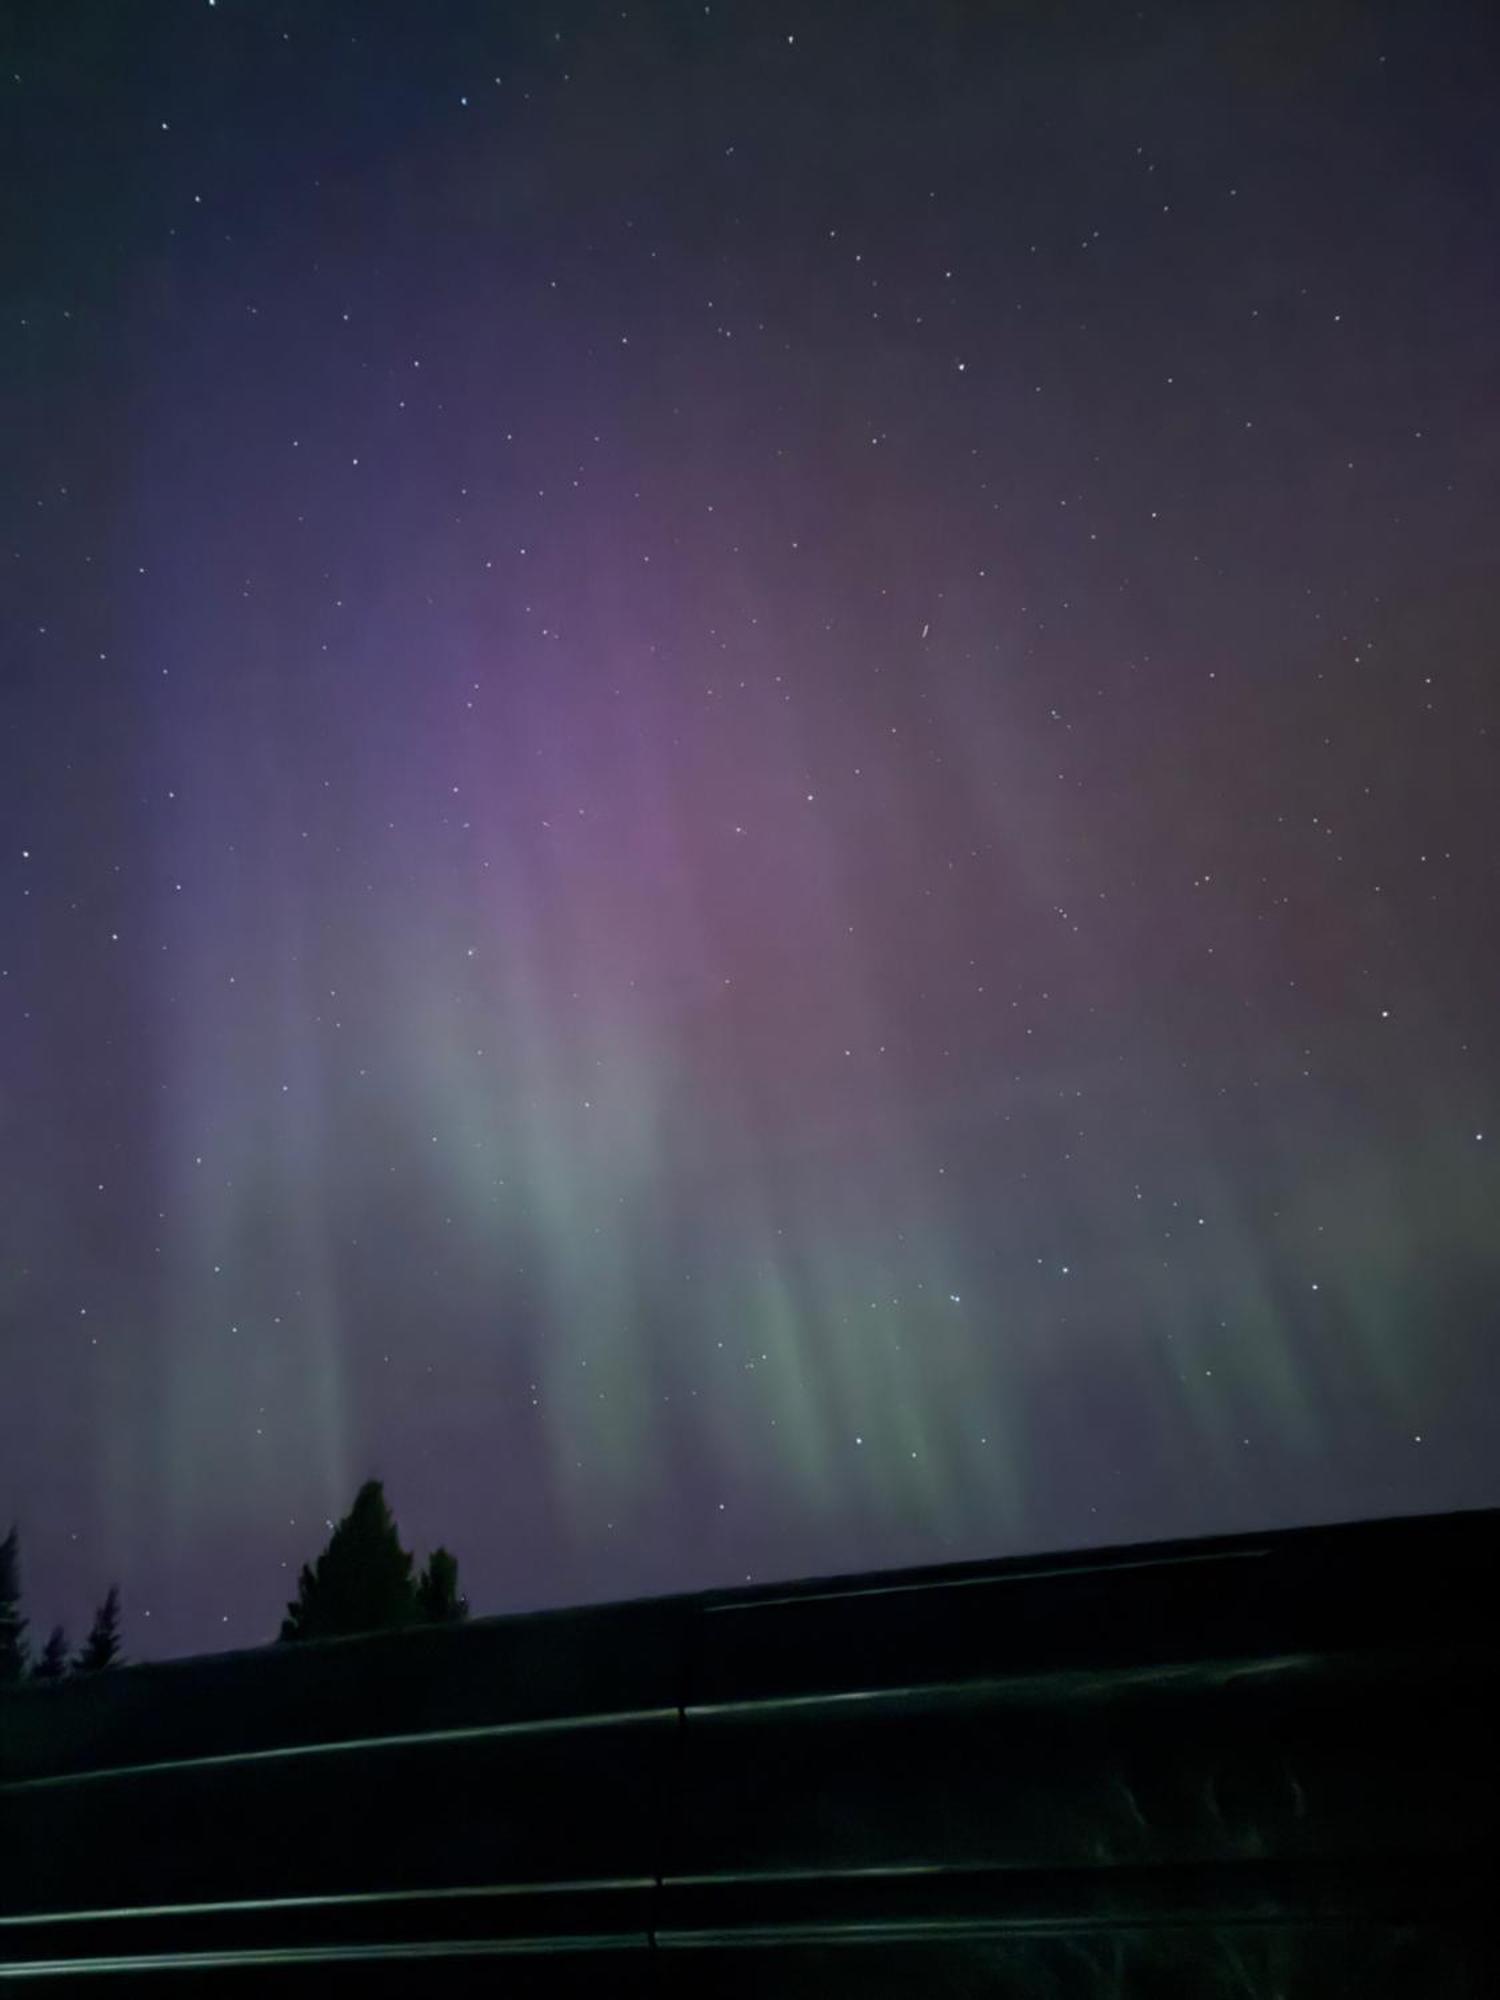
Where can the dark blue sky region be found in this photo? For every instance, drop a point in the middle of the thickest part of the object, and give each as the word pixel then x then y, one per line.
pixel 748 799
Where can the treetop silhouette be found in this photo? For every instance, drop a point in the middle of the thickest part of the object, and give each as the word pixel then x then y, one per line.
pixel 362 1582
pixel 12 1624
pixel 101 1648
pixel 53 1665
pixel 438 1596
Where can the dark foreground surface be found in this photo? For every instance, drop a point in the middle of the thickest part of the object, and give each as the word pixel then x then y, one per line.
pixel 1263 1766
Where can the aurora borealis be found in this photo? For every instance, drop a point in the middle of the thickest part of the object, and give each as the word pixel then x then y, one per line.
pixel 749 809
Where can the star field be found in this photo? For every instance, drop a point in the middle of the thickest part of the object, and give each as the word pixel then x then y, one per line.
pixel 748 807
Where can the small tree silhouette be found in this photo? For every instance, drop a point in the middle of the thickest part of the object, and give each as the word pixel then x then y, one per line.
pixel 438 1598
pixel 362 1581
pixel 101 1648
pixel 53 1665
pixel 12 1624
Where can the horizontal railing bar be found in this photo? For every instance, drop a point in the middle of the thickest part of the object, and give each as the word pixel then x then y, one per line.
pixel 1019 1687
pixel 1016 1686
pixel 539 1726
pixel 224 1961
pixel 939 1583
pixel 358 1899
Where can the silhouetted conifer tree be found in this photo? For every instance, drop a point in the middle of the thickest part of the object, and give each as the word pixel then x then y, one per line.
pixel 53 1665
pixel 438 1598
pixel 101 1648
pixel 12 1624
pixel 362 1582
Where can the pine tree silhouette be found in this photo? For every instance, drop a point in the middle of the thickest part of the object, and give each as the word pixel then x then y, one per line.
pixel 12 1624
pixel 101 1648
pixel 438 1597
pixel 53 1665
pixel 362 1581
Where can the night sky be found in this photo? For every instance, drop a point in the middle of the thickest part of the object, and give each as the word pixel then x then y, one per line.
pixel 749 804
